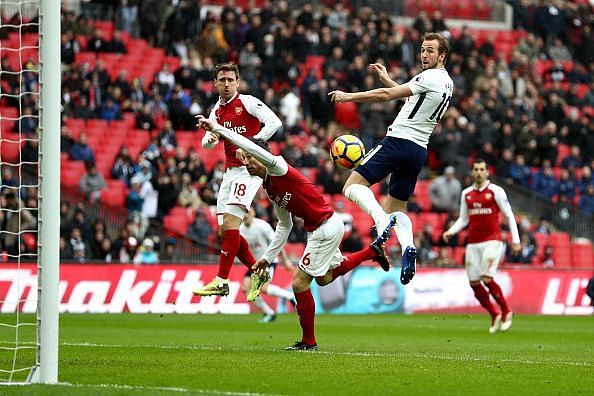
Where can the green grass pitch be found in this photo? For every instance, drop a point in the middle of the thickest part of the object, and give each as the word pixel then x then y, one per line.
pixel 363 355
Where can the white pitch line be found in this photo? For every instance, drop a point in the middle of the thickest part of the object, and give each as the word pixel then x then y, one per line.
pixel 148 388
pixel 362 354
pixel 163 389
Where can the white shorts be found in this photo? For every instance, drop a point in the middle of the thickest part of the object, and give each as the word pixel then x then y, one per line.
pixel 482 259
pixel 237 192
pixel 321 253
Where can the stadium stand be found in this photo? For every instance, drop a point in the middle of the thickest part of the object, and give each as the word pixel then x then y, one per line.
pixel 524 86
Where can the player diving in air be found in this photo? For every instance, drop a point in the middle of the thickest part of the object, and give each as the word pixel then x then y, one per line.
pixel 291 193
pixel 402 153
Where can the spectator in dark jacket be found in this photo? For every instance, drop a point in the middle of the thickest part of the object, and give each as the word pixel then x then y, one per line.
pixel 144 119
pixel 81 151
pixel 545 182
pixel 200 229
pixel 587 200
pixel 520 172
pixel 96 43
pixel 116 44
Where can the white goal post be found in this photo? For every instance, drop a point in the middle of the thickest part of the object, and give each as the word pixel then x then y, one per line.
pixel 43 366
pixel 48 270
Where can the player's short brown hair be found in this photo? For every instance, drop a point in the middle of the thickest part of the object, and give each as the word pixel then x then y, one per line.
pixel 443 46
pixel 229 66
pixel 480 161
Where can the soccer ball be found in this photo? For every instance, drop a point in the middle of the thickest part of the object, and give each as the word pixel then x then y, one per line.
pixel 347 151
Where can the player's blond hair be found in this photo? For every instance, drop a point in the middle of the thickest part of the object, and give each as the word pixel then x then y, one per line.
pixel 229 66
pixel 443 45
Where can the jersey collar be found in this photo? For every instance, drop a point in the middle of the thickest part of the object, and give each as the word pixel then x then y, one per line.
pixel 229 101
pixel 484 186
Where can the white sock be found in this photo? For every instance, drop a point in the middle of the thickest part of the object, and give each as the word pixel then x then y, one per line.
pixel 277 291
pixel 260 303
pixel 404 230
pixel 221 280
pixel 363 196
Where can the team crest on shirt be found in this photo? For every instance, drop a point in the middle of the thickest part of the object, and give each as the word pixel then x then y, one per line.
pixel 488 196
pixel 418 79
pixel 238 110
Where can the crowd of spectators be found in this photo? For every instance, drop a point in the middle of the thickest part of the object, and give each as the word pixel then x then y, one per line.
pixel 503 110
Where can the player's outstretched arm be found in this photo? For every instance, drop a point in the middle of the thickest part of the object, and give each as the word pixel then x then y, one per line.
pixel 382 73
pixel 281 233
pixel 253 149
pixel 372 96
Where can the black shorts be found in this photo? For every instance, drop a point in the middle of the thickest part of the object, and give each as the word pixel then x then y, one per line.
pixel 401 159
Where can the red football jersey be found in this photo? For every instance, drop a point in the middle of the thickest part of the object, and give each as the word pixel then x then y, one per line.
pixel 234 115
pixel 483 212
pixel 293 192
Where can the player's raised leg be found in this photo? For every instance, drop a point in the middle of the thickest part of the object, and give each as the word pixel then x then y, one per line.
pixel 402 160
pixel 353 260
pixel 357 190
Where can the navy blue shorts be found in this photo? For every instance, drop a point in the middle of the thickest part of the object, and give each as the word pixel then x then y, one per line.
pixel 401 159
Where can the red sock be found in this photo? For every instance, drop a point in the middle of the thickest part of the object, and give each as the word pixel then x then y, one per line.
pixel 498 295
pixel 351 261
pixel 228 253
pixel 244 254
pixel 482 296
pixel 306 308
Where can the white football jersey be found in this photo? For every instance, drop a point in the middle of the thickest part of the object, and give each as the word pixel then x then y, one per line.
pixel 258 235
pixel 432 91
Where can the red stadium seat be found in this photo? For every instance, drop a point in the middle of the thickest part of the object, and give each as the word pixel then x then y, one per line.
pixel 77 124
pixel 582 255
pixel 86 57
pixel 347 115
pixel 6 125
pixel 563 151
pixel 10 149
pixel 507 36
pixel 362 221
pixel 71 172
pixel 70 177
pixel 459 252
pixel 138 138
pixel 541 66
pixel 115 197
pixel 560 242
pixel 177 223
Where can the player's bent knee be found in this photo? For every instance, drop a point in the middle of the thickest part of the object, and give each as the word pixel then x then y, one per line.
pixel 324 280
pixel 299 284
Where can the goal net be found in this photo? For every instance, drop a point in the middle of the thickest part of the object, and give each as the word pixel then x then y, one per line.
pixel 29 190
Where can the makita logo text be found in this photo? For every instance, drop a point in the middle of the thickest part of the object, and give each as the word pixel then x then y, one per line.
pixel 167 291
